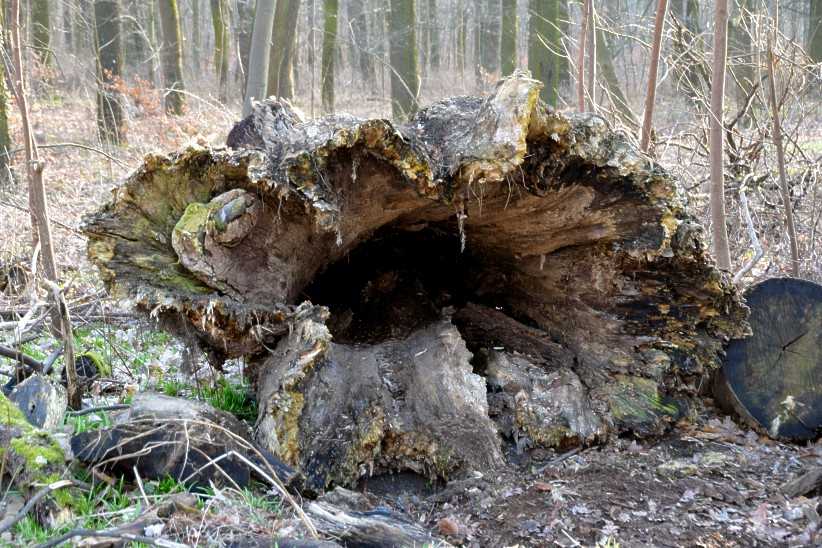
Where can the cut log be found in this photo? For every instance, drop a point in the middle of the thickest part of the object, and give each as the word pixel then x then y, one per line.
pixel 394 242
pixel 804 485
pixel 773 378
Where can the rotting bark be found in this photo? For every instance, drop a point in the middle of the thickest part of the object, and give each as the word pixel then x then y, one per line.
pixel 352 261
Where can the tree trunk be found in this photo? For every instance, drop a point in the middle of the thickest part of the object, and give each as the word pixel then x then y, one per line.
pixel 434 36
pixel 5 134
pixel 582 44
pixel 154 43
pixel 358 15
pixel 650 95
pixel 508 43
pixel 490 36
pixel 330 11
pixel 41 31
pixel 285 79
pixel 405 77
pixel 741 51
pixel 616 96
pixel 545 47
pixel 172 57
pixel 219 23
pixel 719 231
pixel 780 160
pixel 814 46
pixel 196 35
pixel 462 32
pixel 110 122
pixel 592 55
pixel 258 65
pixel 392 276
pixel 244 24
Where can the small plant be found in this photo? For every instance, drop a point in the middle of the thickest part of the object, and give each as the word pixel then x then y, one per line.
pixel 232 398
pixel 28 531
pixel 172 387
pixel 85 423
pixel 168 485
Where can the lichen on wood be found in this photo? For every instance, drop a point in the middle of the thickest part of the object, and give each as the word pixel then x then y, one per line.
pixel 322 250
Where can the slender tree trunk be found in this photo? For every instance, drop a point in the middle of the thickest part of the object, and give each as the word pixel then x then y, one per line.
pixel 196 36
pixel 258 64
pixel 405 77
pixel 41 30
pixel 582 44
pixel 312 50
pixel 172 57
pixel 38 206
pixel 741 50
pixel 330 12
pixel 219 22
pixel 285 80
pixel 461 38
pixel 152 31
pixel 5 134
pixel 780 160
pixel 592 55
pixel 68 27
pixel 283 44
pixel 545 47
pixel 433 36
pixel 109 71
pixel 613 87
pixel 722 252
pixel 508 41
pixel 814 46
pixel 245 22
pixel 358 15
pixel 490 38
pixel 650 96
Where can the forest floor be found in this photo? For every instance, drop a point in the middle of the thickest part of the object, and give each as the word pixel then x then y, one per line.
pixel 709 483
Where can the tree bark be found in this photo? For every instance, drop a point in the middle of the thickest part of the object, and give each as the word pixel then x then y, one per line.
pixel 719 231
pixel 392 275
pixel 285 79
pixel 258 65
pixel 582 44
pixel 41 31
pixel 330 11
pixel 545 47
pixel 814 42
pixel 613 87
pixel 780 160
pixel 508 44
pixel 110 121
pixel 196 35
pixel 405 77
pixel 650 95
pixel 172 57
pixel 358 15
pixel 219 23
pixel 5 134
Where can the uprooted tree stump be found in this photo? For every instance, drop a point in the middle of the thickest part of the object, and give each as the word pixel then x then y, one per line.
pixel 373 275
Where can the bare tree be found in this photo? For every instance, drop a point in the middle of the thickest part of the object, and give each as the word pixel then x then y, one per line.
pixel 331 9
pixel 780 159
pixel 405 77
pixel 110 122
pixel 583 40
pixel 719 231
pixel 258 64
pixel 650 96
pixel 172 56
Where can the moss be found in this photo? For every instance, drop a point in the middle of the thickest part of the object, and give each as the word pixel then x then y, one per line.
pixel 636 404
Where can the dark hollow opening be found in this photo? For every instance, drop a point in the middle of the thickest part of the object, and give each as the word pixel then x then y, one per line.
pixel 398 281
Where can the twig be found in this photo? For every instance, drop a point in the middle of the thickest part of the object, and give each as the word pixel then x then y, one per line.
pixel 90 410
pixel 23 359
pixel 559 459
pixel 119 533
pixel 8 523
pixel 746 214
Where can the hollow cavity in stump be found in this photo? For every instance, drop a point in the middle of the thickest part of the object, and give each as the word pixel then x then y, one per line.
pixel 378 278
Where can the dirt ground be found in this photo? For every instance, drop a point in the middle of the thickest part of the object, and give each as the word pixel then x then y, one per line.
pixel 711 484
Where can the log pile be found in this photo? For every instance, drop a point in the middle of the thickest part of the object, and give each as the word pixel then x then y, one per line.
pixel 404 294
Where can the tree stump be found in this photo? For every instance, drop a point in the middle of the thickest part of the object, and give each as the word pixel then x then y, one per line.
pixel 773 378
pixel 360 266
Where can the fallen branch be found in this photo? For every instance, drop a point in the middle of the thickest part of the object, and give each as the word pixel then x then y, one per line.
pixel 100 409
pixel 746 215
pixel 23 359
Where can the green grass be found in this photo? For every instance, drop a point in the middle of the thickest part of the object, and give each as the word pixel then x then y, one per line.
pixel 231 397
pixel 173 387
pixel 85 423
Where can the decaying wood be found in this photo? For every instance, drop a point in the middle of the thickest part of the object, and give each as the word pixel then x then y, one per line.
pixel 363 269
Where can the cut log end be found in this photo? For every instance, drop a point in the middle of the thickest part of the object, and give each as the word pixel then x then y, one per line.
pixel 772 378
pixel 396 270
